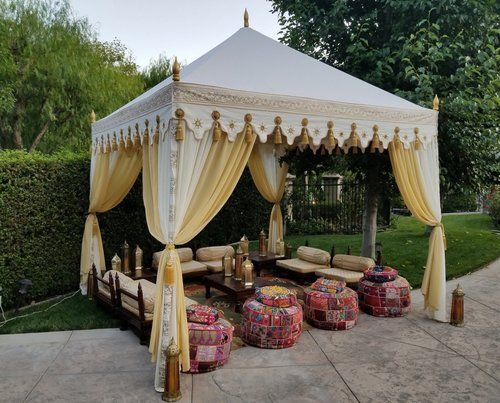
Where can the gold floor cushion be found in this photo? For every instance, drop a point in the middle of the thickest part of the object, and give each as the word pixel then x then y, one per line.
pixel 313 255
pixel 193 267
pixel 349 276
pixel 350 262
pixel 299 265
pixel 148 294
pixel 210 253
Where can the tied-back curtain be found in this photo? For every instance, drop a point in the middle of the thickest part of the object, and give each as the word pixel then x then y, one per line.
pixel 269 178
pixel 185 184
pixel 112 175
pixel 417 176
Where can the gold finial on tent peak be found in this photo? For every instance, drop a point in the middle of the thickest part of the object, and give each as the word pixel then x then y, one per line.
pixel 435 103
pixel 92 116
pixel 176 70
pixel 245 19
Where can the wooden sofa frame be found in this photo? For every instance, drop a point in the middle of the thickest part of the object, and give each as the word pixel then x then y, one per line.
pixel 109 303
pixel 139 324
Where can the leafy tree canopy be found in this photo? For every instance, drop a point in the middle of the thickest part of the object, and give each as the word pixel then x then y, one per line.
pixel 416 49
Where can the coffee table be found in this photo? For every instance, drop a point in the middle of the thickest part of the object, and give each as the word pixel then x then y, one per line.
pixel 264 262
pixel 146 274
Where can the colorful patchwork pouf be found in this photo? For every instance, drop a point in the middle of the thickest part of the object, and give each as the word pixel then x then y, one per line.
pixel 330 305
pixel 272 318
pixel 382 292
pixel 210 338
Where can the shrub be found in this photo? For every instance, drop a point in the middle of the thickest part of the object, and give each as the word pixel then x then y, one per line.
pixel 494 209
pixel 43 207
pixel 463 201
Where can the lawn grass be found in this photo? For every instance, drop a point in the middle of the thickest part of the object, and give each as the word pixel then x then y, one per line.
pixel 75 313
pixel 471 245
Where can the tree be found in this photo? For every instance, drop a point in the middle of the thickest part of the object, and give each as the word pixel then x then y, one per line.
pixel 53 73
pixel 157 71
pixel 415 49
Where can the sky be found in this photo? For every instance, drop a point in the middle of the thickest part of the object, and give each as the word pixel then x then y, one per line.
pixel 183 28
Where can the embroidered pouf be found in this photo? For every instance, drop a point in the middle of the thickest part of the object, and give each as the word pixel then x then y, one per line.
pixel 330 305
pixel 272 318
pixel 381 292
pixel 210 338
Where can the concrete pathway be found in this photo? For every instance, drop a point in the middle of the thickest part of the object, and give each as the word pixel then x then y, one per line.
pixel 381 360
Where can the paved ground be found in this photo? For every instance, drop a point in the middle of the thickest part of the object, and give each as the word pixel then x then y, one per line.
pixel 399 359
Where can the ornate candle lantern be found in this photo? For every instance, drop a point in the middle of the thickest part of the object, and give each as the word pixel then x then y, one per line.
pixel 126 258
pixel 247 273
pixel 116 263
pixel 138 258
pixel 244 244
pixel 238 264
pixel 457 307
pixel 280 247
pixel 262 244
pixel 172 391
pixel 288 251
pixel 228 265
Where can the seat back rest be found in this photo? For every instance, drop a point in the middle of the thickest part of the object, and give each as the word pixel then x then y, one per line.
pixel 313 255
pixel 353 263
pixel 213 253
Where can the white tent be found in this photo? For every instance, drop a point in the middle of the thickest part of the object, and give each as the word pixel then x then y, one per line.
pixel 247 100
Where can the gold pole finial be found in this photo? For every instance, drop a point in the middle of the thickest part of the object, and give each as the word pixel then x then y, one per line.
pixel 245 19
pixel 435 103
pixel 176 70
pixel 92 116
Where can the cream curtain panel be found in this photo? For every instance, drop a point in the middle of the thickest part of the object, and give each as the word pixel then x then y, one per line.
pixel 269 178
pixel 417 176
pixel 185 184
pixel 112 175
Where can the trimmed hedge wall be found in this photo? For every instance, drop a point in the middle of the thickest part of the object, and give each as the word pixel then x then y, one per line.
pixel 43 206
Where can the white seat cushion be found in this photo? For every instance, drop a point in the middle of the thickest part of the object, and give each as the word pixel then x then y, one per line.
pixel 349 276
pixel 148 294
pixel 299 265
pixel 350 262
pixel 123 279
pixel 214 266
pixel 193 267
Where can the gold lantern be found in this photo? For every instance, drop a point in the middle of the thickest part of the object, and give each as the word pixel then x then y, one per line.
pixel 244 244
pixel 247 273
pixel 126 258
pixel 238 264
pixel 280 247
pixel 138 258
pixel 457 307
pixel 116 263
pixel 172 391
pixel 228 265
pixel 288 251
pixel 262 244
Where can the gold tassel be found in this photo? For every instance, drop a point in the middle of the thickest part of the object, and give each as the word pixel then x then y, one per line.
pixel 337 150
pixel 137 137
pixel 128 142
pixel 156 134
pixel 375 140
pixel 101 145
pixel 145 135
pixel 397 140
pixel 417 140
pixel 179 130
pixel 248 128
pixel 121 146
pixel 114 144
pixel 217 131
pixel 277 131
pixel 304 134
pixel 354 139
pixel 108 145
pixel 331 141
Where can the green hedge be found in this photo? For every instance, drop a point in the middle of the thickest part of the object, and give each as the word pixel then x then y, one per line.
pixel 43 206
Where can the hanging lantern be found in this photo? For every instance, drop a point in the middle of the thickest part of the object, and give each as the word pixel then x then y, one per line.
pixel 238 264
pixel 172 391
pixel 247 273
pixel 280 247
pixel 228 265
pixel 244 244
pixel 262 244
pixel 457 307
pixel 116 263
pixel 126 258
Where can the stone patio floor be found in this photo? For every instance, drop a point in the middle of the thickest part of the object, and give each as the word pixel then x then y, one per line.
pixel 397 359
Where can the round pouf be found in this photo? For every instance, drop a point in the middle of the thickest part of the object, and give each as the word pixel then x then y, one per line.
pixel 210 338
pixel 330 305
pixel 272 318
pixel 380 296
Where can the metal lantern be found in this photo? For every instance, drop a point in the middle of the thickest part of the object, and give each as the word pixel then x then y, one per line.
pixel 228 265
pixel 172 391
pixel 262 244
pixel 116 263
pixel 248 273
pixel 244 243
pixel 457 307
pixel 126 258
pixel 288 251
pixel 238 264
pixel 138 257
pixel 280 247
